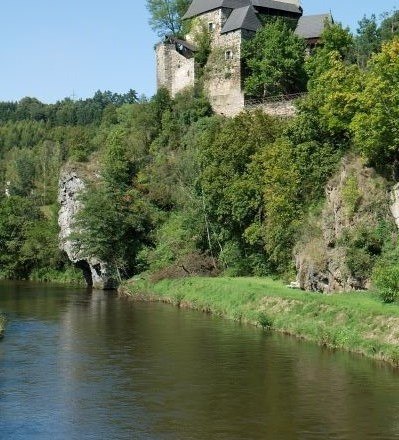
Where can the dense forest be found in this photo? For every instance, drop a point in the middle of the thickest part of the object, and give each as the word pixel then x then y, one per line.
pixel 184 191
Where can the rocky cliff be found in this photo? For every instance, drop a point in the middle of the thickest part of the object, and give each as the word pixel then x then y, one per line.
pixel 341 240
pixel 73 180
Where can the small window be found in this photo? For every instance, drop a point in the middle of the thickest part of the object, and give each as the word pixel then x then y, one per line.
pixel 228 54
pixel 211 26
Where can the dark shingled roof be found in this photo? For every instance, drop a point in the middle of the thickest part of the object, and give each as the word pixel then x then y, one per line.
pixel 198 7
pixel 242 18
pixel 184 43
pixel 277 5
pixel 312 26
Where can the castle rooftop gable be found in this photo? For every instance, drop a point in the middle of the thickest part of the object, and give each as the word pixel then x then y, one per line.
pixel 199 7
pixel 312 26
pixel 242 18
pixel 278 5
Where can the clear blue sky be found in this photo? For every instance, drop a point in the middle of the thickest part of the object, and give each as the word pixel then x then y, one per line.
pixel 54 48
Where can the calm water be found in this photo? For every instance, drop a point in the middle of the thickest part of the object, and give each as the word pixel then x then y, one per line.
pixel 79 365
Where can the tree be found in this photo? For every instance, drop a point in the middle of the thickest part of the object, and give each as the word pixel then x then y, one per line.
pixel 275 61
pixel 232 189
pixel 368 40
pixel 335 40
pixel 166 15
pixel 280 190
pixel 390 26
pixel 18 217
pixel 113 226
pixel 376 125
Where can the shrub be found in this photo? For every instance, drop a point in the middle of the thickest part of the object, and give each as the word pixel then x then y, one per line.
pixel 364 245
pixel 386 279
pixel 190 265
pixel 265 321
pixel 3 322
pixel 351 195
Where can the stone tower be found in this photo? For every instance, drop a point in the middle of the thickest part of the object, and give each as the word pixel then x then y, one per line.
pixel 229 23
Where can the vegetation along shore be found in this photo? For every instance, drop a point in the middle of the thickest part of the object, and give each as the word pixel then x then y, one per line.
pixel 3 322
pixel 356 322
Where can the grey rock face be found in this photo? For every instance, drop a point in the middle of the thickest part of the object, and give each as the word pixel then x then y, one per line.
pixel 394 195
pixel 321 255
pixel 98 274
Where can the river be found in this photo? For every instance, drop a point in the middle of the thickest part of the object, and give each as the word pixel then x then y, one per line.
pixel 86 365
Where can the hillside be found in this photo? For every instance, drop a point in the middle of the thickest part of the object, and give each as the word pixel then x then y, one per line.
pixel 174 190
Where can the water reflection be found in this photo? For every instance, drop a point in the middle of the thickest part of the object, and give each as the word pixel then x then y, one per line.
pixel 78 365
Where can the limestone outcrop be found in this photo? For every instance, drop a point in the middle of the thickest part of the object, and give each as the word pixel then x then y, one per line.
pixel 394 196
pixel 340 243
pixel 72 182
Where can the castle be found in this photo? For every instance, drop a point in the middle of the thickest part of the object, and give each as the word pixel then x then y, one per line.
pixel 229 23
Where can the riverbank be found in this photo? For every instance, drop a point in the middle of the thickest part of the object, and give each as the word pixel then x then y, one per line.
pixel 356 322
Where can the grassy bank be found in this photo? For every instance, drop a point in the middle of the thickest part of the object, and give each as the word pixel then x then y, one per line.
pixel 356 322
pixel 71 276
pixel 3 322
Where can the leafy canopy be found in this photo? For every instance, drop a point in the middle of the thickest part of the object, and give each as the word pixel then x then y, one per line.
pixel 275 60
pixel 166 15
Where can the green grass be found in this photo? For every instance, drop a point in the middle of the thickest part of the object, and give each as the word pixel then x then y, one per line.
pixel 356 322
pixel 70 275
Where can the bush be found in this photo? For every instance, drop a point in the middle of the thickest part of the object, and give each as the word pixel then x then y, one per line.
pixel 265 322
pixel 3 322
pixel 386 279
pixel 190 265
pixel 364 245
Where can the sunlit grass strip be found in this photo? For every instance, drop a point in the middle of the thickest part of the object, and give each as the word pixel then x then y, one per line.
pixel 356 322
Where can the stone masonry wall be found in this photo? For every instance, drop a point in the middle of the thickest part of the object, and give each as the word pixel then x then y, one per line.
pixel 174 71
pixel 223 76
pixel 280 109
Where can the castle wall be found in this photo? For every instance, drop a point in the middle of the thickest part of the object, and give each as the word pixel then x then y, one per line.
pixel 223 76
pixel 284 109
pixel 174 71
pixel 184 76
pixel 163 65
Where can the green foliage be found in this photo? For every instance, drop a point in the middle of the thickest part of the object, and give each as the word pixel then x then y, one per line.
pixel 35 140
pixel 68 274
pixel 3 323
pixel 334 95
pixel 363 246
pixel 274 60
pixel 375 126
pixel 386 279
pixel 113 226
pixel 336 43
pixel 65 112
pixel 367 40
pixel 390 26
pixel 225 156
pixel 176 238
pixel 202 39
pixel 264 321
pixel 351 195
pixel 166 15
pixel 175 182
pixel 280 188
pixel 27 238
